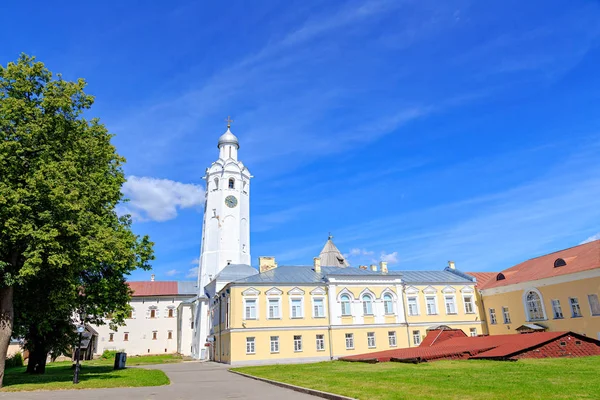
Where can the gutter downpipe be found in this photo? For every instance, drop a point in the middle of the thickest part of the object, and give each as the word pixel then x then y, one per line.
pixel 329 326
pixel 405 313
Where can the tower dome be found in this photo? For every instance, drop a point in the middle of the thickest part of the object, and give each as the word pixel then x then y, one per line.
pixel 228 138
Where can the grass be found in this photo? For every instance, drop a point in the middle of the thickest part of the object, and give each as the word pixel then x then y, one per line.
pixel 94 374
pixel 566 378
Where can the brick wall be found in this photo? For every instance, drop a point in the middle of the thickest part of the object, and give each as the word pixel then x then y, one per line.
pixel 566 346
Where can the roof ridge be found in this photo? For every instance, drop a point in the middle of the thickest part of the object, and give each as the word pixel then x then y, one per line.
pixel 557 251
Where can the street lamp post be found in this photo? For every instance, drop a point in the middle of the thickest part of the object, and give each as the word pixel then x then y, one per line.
pixel 80 330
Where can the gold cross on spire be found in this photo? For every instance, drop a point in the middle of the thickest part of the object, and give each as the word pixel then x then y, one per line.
pixel 229 121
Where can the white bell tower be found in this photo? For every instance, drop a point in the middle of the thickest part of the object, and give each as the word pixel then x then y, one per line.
pixel 226 227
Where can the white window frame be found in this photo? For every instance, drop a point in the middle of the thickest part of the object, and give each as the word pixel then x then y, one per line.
pixel 416 336
pixel 314 300
pixel 575 305
pixel 371 344
pixel 275 299
pixel 473 332
pixel 343 303
pixel 526 305
pixel 349 337
pixel 320 342
pixel 392 340
pixel 471 303
pixel 250 345
pixel 416 299
pixel 295 299
pixel 596 304
pixel 366 311
pixel 556 309
pixel 256 308
pixel 506 315
pixel 452 297
pixel 493 316
pixel 274 344
pixel 434 297
pixel 391 302
pixel 297 343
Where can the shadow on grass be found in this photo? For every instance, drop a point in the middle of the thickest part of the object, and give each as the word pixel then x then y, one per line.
pixel 59 373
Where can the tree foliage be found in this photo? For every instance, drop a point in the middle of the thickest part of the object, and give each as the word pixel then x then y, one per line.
pixel 63 247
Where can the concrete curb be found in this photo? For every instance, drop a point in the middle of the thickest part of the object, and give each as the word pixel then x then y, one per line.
pixel 313 392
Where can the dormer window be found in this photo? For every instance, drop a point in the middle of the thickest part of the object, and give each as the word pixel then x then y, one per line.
pixel 500 277
pixel 559 262
pixel 231 183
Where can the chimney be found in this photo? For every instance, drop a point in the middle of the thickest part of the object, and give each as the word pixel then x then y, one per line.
pixel 383 267
pixel 152 278
pixel 362 266
pixel 266 264
pixel 373 267
pixel 451 265
pixel 317 264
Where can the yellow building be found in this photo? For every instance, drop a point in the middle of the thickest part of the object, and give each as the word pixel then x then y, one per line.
pixel 557 292
pixel 322 312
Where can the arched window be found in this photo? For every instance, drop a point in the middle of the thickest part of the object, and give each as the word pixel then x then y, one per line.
pixel 231 183
pixel 534 306
pixel 500 277
pixel 216 183
pixel 559 263
pixel 388 303
pixel 367 304
pixel 345 304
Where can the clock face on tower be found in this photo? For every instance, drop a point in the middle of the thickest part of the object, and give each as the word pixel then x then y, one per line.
pixel 231 201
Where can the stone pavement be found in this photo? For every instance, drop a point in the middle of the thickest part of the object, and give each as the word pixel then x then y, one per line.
pixel 189 380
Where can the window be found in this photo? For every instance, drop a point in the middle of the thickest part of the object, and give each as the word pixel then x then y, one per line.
pixel 468 300
pixel 130 316
pixel 450 304
pixel 349 341
pixel 274 309
pixel 111 337
pixel 170 335
pixel 318 308
pixel 154 335
pixel 506 315
pixel 231 183
pixel 296 308
pixel 575 309
pixel 413 306
pixel 170 314
pixel 416 337
pixel 559 262
pixel 274 344
pixel 345 304
pixel 371 339
pixel 297 343
pixel 431 308
pixel 251 309
pixel 320 342
pixel 473 331
pixel 556 309
pixel 594 304
pixel 250 345
pixel 392 338
pixel 152 313
pixel 367 305
pixel 388 303
pixel 534 306
pixel 492 316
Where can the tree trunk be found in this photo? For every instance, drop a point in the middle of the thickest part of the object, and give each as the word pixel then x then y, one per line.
pixel 37 360
pixel 6 325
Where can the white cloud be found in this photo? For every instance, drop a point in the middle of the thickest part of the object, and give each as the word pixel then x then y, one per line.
pixel 391 258
pixel 193 272
pixel 159 199
pixel 171 272
pixel 591 238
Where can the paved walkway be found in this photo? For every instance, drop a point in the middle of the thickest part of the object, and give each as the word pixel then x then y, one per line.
pixel 189 380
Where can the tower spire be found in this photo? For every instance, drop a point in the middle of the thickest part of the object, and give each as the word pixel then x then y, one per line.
pixel 229 121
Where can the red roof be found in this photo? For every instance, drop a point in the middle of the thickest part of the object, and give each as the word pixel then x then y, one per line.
pixel 482 277
pixel 153 288
pixel 579 258
pixel 435 337
pixel 496 346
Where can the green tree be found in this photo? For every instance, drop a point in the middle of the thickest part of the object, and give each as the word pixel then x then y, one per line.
pixel 61 240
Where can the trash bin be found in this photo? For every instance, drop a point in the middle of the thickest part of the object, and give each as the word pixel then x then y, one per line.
pixel 120 360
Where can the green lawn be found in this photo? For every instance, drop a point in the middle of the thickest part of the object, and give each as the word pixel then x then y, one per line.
pixel 94 374
pixel 567 378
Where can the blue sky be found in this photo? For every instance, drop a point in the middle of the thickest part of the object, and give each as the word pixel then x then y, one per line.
pixel 415 131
